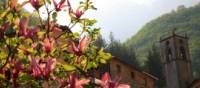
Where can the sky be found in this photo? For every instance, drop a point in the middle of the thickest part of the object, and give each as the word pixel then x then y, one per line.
pixel 124 18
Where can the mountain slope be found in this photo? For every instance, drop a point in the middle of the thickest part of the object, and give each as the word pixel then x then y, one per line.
pixel 186 20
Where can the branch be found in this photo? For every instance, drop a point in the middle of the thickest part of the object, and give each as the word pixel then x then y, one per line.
pixel 10 54
pixel 48 18
pixel 65 29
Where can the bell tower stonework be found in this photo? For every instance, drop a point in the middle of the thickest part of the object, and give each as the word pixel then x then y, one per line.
pixel 176 59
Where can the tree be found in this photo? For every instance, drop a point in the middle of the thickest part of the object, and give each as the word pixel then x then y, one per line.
pixel 153 65
pixel 127 54
pixel 100 42
pixel 47 54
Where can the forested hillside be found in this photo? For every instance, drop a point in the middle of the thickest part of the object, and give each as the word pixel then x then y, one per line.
pixel 186 20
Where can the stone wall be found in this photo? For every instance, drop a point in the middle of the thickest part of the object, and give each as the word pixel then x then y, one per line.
pixel 130 75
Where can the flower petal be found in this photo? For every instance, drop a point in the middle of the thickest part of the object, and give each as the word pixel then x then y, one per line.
pixel 105 77
pixel 83 43
pixel 123 86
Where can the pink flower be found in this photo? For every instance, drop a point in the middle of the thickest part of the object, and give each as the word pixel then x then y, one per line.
pixel 39 68
pixel 34 45
pixel 3 27
pixel 32 31
pixel 82 44
pixel 35 3
pixel 25 31
pixel 23 25
pixel 48 67
pixel 13 4
pixel 59 5
pixel 35 69
pixel 105 82
pixel 48 45
pixel 18 68
pixel 2 71
pixel 15 67
pixel 73 82
pixel 78 13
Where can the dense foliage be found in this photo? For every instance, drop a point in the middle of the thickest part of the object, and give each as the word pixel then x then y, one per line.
pixel 186 20
pixel 46 54
pixel 154 66
pixel 118 49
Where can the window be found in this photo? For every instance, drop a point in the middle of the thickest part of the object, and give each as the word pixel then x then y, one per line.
pixel 182 53
pixel 132 75
pixel 118 68
pixel 145 82
pixel 168 54
pixel 181 41
pixel 167 43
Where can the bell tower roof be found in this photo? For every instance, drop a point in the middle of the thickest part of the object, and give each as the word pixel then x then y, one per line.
pixel 173 35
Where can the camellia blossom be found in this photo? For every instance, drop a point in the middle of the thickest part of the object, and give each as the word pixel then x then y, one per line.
pixel 82 44
pixel 105 82
pixel 60 5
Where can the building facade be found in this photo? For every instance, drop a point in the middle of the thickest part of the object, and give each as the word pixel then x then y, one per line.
pixel 131 75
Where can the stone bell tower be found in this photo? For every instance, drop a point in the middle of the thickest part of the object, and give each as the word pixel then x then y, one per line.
pixel 176 60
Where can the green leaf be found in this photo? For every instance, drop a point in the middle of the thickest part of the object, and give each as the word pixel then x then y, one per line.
pixel 92 7
pixel 41 34
pixel 103 61
pixel 76 35
pixel 49 1
pixel 10 16
pixel 3 55
pixel 68 67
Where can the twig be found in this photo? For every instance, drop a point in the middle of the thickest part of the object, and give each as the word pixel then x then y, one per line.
pixel 40 19
pixel 48 18
pixel 67 29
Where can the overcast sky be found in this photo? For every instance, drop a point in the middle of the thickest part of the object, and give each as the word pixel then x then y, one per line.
pixel 125 17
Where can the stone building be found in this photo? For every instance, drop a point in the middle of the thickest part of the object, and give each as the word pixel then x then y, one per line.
pixel 177 63
pixel 129 73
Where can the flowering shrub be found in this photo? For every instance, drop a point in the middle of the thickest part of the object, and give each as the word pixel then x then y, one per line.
pixel 48 54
